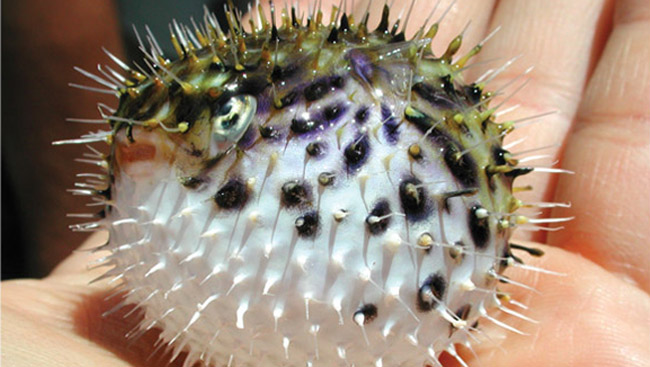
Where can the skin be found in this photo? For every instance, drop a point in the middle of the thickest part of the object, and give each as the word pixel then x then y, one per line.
pixel 591 65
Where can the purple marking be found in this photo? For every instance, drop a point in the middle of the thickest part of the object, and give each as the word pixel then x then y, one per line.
pixel 361 64
pixel 389 125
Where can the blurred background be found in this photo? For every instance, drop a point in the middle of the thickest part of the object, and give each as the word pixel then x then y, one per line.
pixel 42 41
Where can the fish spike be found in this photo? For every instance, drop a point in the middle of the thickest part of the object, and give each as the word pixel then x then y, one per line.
pixel 230 18
pixel 264 23
pixel 180 51
pixel 319 18
pixel 475 50
pixel 383 23
pixel 200 35
pixel 453 47
pixel 351 21
pixel 431 33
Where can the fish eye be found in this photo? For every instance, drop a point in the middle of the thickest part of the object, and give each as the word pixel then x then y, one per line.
pixel 233 118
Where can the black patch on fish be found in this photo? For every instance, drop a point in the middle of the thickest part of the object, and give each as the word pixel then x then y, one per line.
pixel 333 111
pixel 437 97
pixel 301 126
pixel 361 115
pixel 287 100
pixel 478 227
pixel 435 283
pixel 308 224
pixel 316 90
pixel 414 199
pixel 283 73
pixel 473 93
pixel 269 132
pixel 356 153
pixel 389 125
pixel 462 166
pixel 232 195
pixel 369 312
pixel 295 194
pixel 381 208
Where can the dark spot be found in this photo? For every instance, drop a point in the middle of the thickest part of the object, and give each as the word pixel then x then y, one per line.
pixel 498 154
pixel 145 105
pixel 316 90
pixel 189 108
pixel 295 193
pixel 368 311
pixel 437 97
pixel 282 73
pixel 268 132
pixel 315 149
pixel 356 153
pixel 448 86
pixel 252 85
pixel 301 126
pixel 232 195
pixel 479 227
pixel 337 81
pixel 473 93
pixel 378 220
pixel 389 125
pixel 423 122
pixel 462 166
pixel 361 115
pixel 334 36
pixel 431 292
pixel 190 182
pixel 413 197
pixel 333 112
pixel 307 224
pixel 287 100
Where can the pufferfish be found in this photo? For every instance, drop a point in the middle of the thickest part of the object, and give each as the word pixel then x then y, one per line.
pixel 308 193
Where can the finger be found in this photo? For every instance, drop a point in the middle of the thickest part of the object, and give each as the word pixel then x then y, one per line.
pixel 559 39
pixel 68 320
pixel 586 317
pixel 610 151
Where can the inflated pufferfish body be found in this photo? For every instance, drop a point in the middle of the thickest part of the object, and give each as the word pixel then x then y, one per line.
pixel 309 194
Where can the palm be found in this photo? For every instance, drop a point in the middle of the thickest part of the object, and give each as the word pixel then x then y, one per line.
pixel 590 61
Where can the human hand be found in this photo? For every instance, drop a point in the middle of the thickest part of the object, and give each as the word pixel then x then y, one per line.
pixel 590 61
